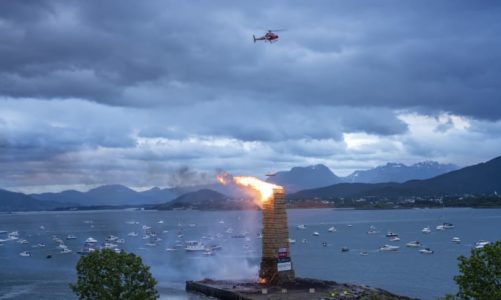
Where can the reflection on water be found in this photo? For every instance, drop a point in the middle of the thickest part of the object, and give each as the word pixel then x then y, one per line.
pixel 405 271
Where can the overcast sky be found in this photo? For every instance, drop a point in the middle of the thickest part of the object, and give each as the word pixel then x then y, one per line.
pixel 158 93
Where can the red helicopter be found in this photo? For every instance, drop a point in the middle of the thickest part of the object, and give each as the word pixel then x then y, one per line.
pixel 270 36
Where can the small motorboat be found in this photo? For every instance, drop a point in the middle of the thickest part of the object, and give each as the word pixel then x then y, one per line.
pixel 48 256
pixel 315 233
pixel 481 244
pixel 301 226
pixel 389 248
pixel 160 222
pixel 426 230
pixel 91 240
pixel 332 229
pixel 413 244
pixel 440 227
pixel 426 251
pixel 192 246
pixel 456 240
pixel 345 249
pixel 111 238
pixel 146 227
pixel 324 244
pixel 25 253
pixel 394 239
pixel 170 249
pixel 70 237
pixel 292 241
pixel 372 230
pixel 448 226
pixel 391 234
pixel 364 253
pixel 65 251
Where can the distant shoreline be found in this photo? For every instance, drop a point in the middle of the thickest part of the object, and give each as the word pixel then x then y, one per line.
pixel 101 209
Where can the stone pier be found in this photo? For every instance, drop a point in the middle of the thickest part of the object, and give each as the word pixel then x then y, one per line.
pixel 276 265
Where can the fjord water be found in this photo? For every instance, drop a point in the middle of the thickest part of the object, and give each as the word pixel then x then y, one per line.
pixel 405 272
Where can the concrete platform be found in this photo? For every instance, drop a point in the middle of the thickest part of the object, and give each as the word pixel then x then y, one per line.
pixel 301 288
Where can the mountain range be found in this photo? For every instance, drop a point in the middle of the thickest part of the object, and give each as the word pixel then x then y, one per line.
pixel 206 199
pixel 482 178
pixel 302 178
pixel 109 195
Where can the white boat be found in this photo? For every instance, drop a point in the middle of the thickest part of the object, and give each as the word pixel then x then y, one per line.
pixel 22 241
pixel 221 222
pixel 194 246
pixel 364 253
pixel 151 244
pixel 108 245
pixel 208 253
pixel 345 249
pixel 259 236
pixel 91 240
pixel 448 226
pixel 332 229
pixel 25 253
pixel 62 246
pixel 132 233
pixel 426 230
pixel 42 227
pixel 301 226
pixel 70 237
pixel 292 241
pixel 394 239
pixel 146 227
pixel 160 222
pixel 131 222
pixel 456 240
pixel 440 227
pixel 426 251
pixel 413 244
pixel 111 238
pixel 349 225
pixel 170 249
pixel 481 244
pixel 65 251
pixel 120 241
pixel 391 234
pixel 372 230
pixel 389 248
pixel 41 245
pixel 315 233
pixel 304 241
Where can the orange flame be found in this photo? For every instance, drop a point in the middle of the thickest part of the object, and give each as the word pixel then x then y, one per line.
pixel 261 280
pixel 264 188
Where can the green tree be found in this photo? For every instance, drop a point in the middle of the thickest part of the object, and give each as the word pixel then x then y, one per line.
pixel 480 276
pixel 108 275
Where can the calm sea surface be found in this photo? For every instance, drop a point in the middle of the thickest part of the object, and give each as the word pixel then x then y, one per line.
pixel 405 272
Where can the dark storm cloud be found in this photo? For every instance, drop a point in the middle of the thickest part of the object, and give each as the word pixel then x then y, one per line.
pixel 435 56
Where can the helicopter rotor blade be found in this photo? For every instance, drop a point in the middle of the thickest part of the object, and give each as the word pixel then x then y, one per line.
pixel 277 30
